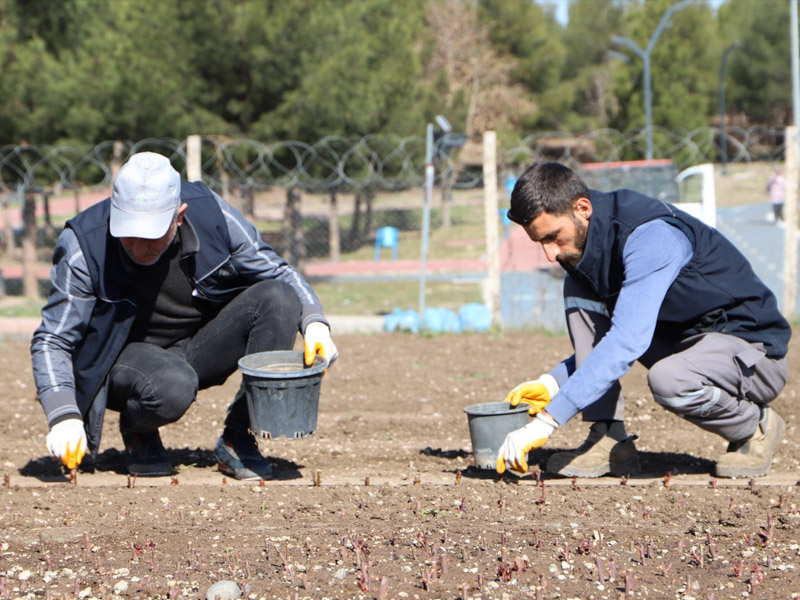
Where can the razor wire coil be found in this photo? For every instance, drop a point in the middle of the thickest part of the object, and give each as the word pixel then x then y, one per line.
pixel 376 162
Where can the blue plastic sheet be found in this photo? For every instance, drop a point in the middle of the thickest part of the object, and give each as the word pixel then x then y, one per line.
pixel 401 320
pixel 475 317
pixel 441 320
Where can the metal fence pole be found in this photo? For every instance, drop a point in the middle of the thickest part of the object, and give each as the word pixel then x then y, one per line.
pixel 723 143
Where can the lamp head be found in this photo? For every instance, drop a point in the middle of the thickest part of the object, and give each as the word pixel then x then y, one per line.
pixel 443 123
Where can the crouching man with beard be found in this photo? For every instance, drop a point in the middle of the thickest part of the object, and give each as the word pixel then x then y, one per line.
pixel 648 282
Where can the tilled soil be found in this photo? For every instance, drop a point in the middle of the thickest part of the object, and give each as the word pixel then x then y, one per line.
pixel 382 501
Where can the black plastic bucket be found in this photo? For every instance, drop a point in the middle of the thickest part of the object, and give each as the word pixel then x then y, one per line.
pixel 489 424
pixel 282 393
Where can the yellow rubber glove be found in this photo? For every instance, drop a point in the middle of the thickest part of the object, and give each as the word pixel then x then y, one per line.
pixel 537 393
pixel 67 442
pixel 317 340
pixel 513 454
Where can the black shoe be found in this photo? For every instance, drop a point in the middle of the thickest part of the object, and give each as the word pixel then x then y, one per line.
pixel 145 455
pixel 238 457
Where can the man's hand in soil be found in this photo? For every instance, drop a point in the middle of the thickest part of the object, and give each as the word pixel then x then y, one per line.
pixel 513 454
pixel 317 340
pixel 67 442
pixel 537 393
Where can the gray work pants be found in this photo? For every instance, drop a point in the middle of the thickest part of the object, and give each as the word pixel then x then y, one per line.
pixel 716 381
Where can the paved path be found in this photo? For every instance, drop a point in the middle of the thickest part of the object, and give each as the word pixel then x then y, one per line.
pixel 63 205
pixel 760 239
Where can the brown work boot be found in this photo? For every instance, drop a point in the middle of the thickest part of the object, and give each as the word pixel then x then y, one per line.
pixel 752 457
pixel 597 456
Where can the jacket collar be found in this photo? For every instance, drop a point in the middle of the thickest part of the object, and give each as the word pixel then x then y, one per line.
pixel 186 237
pixel 595 233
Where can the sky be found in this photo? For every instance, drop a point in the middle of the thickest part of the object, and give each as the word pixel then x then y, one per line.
pixel 562 7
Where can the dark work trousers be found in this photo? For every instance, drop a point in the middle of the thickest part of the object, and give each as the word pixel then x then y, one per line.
pixel 717 381
pixel 152 386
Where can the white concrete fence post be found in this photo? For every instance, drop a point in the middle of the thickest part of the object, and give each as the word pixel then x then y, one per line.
pixel 492 225
pixel 790 219
pixel 194 170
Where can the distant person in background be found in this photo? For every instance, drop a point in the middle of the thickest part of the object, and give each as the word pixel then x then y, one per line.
pixel 157 292
pixel 776 188
pixel 647 282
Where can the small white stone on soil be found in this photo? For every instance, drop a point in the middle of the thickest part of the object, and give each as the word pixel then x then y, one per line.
pixel 224 590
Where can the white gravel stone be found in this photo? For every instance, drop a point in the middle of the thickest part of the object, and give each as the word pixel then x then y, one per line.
pixel 121 587
pixel 224 590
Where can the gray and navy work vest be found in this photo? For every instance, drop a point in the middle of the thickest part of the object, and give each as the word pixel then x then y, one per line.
pixel 716 291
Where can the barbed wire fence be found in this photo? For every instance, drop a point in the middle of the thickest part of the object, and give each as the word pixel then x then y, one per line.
pixel 299 185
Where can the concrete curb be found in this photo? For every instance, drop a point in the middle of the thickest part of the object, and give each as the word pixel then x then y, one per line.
pixel 355 324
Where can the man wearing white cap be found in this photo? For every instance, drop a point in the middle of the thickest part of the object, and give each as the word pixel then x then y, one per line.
pixel 157 292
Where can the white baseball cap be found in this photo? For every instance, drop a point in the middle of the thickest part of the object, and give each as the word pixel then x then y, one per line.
pixel 146 193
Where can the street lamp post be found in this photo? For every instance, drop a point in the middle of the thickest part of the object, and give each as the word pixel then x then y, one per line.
pixel 426 215
pixel 430 173
pixel 645 56
pixel 723 138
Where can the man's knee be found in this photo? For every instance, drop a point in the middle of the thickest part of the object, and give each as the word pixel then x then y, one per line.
pixel 277 297
pixel 156 395
pixel 174 389
pixel 680 392
pixel 669 385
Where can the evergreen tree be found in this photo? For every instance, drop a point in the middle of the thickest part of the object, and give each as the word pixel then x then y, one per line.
pixel 524 30
pixel 759 87
pixel 85 71
pixel 356 69
pixel 682 68
pixel 584 99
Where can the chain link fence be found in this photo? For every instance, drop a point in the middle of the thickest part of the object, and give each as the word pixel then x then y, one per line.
pixel 327 202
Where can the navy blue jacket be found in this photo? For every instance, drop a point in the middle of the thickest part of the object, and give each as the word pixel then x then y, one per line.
pixel 716 291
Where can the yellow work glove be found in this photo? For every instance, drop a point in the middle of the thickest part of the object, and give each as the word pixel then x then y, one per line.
pixel 317 340
pixel 513 454
pixel 67 442
pixel 537 393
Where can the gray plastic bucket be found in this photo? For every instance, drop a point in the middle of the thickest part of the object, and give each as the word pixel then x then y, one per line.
pixel 489 424
pixel 282 393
